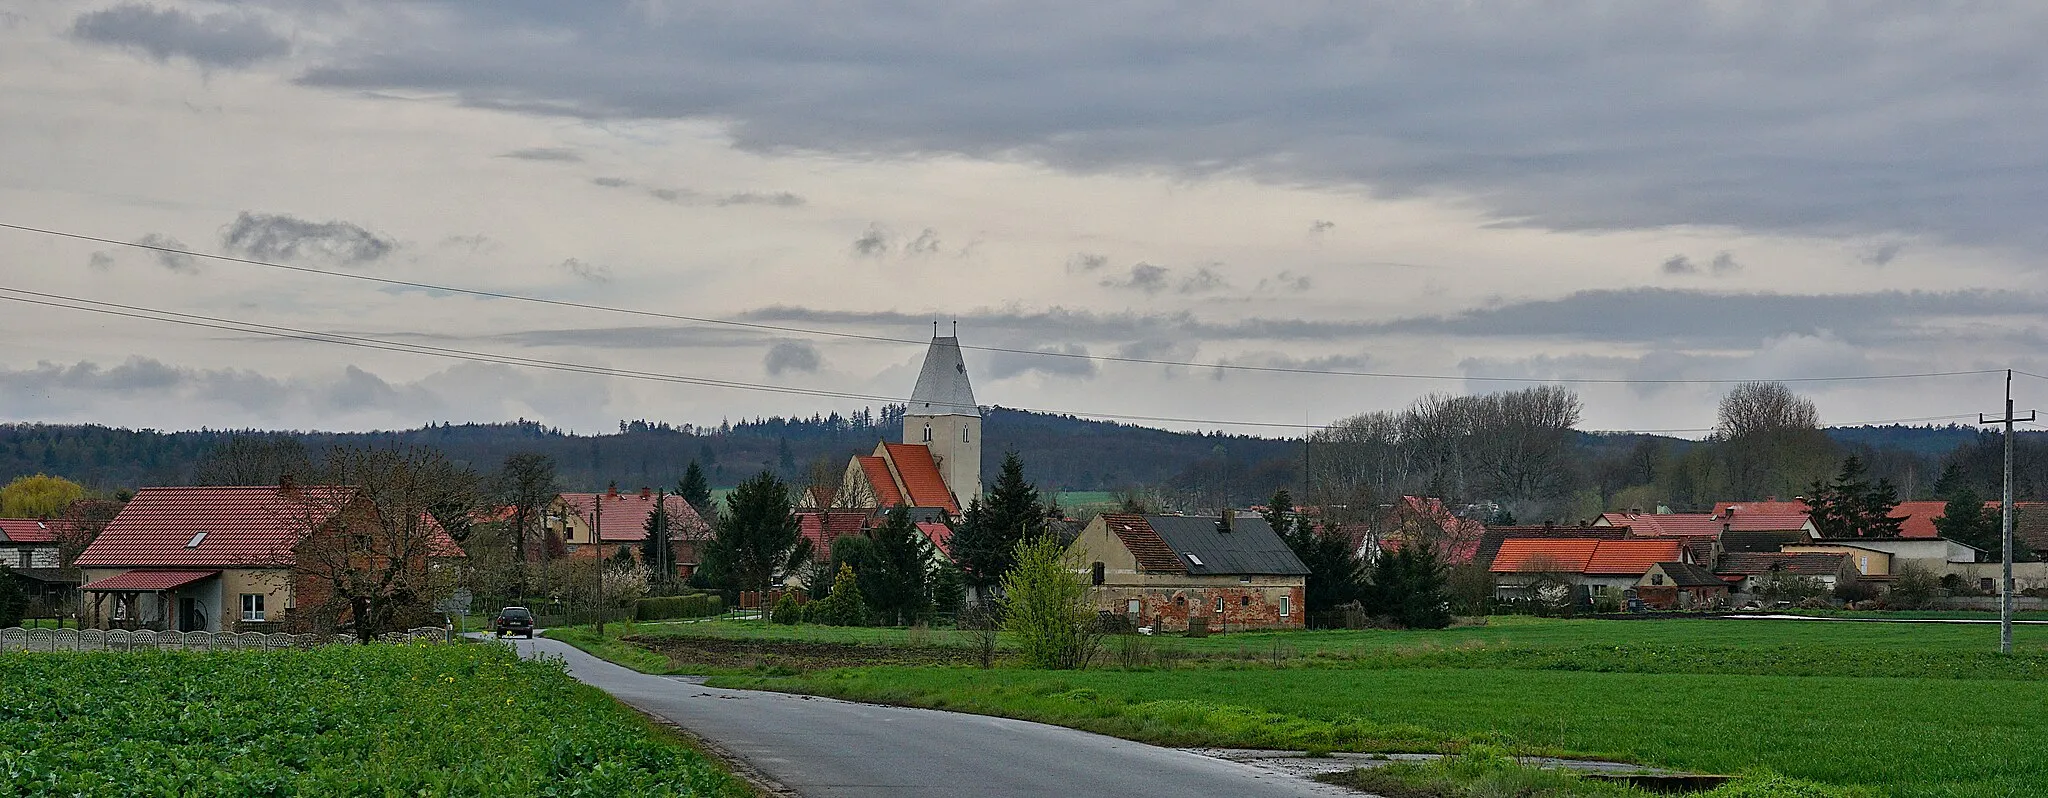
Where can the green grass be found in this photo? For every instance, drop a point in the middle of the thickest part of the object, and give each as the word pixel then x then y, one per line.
pixel 610 647
pixel 341 720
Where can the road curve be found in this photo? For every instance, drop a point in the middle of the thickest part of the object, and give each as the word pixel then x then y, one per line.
pixel 826 748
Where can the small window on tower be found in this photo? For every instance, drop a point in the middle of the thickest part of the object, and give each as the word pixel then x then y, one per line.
pixel 963 434
pixel 927 433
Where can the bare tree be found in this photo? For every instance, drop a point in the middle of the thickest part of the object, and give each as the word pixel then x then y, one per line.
pixel 1755 408
pixel 527 483
pixel 1767 440
pixel 254 460
pixel 368 538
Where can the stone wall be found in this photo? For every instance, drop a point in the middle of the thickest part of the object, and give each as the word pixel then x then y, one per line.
pixel 1167 608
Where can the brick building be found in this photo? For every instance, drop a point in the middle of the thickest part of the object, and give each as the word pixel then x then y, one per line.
pixel 601 524
pixel 1162 570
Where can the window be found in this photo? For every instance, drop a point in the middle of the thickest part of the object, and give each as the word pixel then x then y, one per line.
pixel 1244 601
pixel 1656 579
pixel 120 608
pixel 1134 608
pixel 1194 559
pixel 1283 606
pixel 1987 585
pixel 252 606
pixel 1097 573
pixel 197 538
pixel 1244 580
pixel 927 433
pixel 1219 605
pixel 963 434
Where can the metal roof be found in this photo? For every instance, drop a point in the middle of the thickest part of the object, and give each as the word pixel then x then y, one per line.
pixel 942 388
pixel 1250 547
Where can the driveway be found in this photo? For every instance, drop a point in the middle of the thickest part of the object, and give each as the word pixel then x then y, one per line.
pixel 823 747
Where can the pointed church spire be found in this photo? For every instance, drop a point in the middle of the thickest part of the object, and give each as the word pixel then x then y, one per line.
pixel 942 387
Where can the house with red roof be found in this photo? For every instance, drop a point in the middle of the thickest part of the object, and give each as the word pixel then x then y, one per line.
pixel 602 524
pixel 1420 518
pixel 29 551
pixel 256 558
pixel 1167 571
pixel 1592 569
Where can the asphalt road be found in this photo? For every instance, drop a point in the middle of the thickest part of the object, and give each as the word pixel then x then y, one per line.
pixel 826 748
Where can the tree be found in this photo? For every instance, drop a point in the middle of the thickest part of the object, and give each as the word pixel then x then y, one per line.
pixel 527 483
pixel 39 496
pixel 1409 588
pixel 756 543
pixel 1767 440
pixel 1335 573
pixel 1852 506
pixel 253 460
pixel 845 607
pixel 986 544
pixel 13 600
pixel 1913 587
pixel 370 555
pixel 1046 607
pixel 897 579
pixel 1963 516
pixel 657 550
pixel 695 490
pixel 80 523
pixel 1761 408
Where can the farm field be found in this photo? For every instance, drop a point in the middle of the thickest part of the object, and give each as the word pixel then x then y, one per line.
pixel 1901 710
pixel 343 720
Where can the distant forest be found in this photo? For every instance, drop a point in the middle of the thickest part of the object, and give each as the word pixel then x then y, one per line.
pixel 1195 470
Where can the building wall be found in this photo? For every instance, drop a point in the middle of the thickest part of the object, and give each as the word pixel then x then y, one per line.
pixel 1867 562
pixel 955 446
pixel 1167 606
pixel 276 587
pixel 28 555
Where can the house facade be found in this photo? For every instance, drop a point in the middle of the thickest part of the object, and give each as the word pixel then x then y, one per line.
pixel 1679 586
pixel 1162 571
pixel 602 524
pixel 1591 569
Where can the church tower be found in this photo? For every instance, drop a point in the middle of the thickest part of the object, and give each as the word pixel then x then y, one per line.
pixel 943 416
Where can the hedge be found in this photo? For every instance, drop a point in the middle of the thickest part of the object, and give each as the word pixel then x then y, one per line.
pixel 701 605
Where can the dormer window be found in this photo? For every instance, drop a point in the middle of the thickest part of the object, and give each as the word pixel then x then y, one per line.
pixel 197 538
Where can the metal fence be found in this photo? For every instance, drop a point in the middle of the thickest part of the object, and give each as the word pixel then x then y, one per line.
pixel 41 640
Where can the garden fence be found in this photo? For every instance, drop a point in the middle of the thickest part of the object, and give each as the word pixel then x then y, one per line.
pixel 39 640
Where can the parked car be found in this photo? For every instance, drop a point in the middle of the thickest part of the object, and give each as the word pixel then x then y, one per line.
pixel 513 620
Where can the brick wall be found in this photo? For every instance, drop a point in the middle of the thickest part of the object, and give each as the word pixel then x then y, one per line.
pixel 1168 607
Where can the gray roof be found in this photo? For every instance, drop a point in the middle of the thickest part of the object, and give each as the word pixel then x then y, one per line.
pixel 1250 547
pixel 942 388
pixel 1685 574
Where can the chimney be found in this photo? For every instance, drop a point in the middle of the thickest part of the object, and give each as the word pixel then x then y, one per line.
pixel 287 485
pixel 612 491
pixel 1223 523
pixel 646 492
pixel 1725 527
pixel 1635 512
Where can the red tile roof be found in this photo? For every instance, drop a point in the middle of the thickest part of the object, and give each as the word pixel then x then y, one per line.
pixel 1633 556
pixel 884 483
pixel 1802 563
pixel 1457 539
pixel 243 526
pixel 1144 543
pixel 921 477
pixel 1920 517
pixel 143 580
pixel 1794 507
pixel 939 534
pixel 1648 525
pixel 27 530
pixel 624 519
pixel 821 527
pixel 440 544
pixel 1744 521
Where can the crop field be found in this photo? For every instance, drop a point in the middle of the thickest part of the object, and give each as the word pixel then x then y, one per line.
pixel 1902 710
pixel 345 720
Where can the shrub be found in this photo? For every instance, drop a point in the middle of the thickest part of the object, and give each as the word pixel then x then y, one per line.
pixel 845 607
pixel 698 605
pixel 787 611
pixel 1855 590
pixel 1046 606
pixel 1913 587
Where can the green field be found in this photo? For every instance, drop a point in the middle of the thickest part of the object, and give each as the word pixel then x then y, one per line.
pixel 1904 710
pixel 342 720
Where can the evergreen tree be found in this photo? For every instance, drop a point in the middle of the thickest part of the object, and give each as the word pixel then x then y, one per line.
pixel 13 600
pixel 844 607
pixel 897 580
pixel 756 541
pixel 695 490
pixel 1964 518
pixel 657 550
pixel 1852 506
pixel 1409 587
pixel 1335 573
pixel 785 458
pixel 985 545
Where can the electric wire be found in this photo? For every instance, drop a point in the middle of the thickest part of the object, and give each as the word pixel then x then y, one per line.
pixel 980 348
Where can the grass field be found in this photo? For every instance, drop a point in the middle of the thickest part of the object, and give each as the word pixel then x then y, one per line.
pixel 343 720
pixel 1904 710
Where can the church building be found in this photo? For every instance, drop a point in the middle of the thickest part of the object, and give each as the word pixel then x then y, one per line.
pixel 938 464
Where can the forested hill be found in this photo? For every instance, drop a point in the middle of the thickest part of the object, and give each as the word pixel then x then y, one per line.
pixel 1060 451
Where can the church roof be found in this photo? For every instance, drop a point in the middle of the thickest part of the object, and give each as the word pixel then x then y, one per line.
pixel 942 388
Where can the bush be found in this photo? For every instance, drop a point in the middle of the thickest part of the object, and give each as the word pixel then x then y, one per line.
pixel 1913 587
pixel 1855 590
pixel 787 611
pixel 1046 606
pixel 658 608
pixel 845 607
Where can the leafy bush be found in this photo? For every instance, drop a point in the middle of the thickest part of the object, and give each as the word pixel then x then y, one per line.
pixel 845 607
pixel 698 605
pixel 1912 587
pixel 787 611
pixel 341 720
pixel 1046 606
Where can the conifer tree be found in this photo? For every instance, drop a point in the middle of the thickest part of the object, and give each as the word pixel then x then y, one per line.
pixel 756 542
pixel 1335 573
pixel 896 578
pixel 1852 506
pixel 985 545
pixel 1964 517
pixel 657 550
pixel 696 490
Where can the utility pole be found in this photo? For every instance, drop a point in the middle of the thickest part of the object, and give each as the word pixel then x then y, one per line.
pixel 2005 598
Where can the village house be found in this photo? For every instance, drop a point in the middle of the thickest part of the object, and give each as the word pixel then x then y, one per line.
pixel 29 551
pixel 1490 541
pixel 1870 562
pixel 1592 569
pixel 1417 518
pixel 229 558
pixel 1679 586
pixel 1745 571
pixel 1162 571
pixel 602 524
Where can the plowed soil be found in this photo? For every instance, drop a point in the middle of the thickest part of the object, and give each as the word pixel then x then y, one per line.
pixel 727 653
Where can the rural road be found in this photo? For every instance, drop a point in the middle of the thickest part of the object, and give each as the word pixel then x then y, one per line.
pixel 825 748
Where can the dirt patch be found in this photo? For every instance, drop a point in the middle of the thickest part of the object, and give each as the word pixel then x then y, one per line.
pixel 721 652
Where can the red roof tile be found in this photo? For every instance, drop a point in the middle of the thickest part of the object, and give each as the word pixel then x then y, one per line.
pixel 1920 517
pixel 1744 521
pixel 143 580
pixel 624 519
pixel 1143 542
pixel 1633 556
pixel 921 477
pixel 939 534
pixel 27 530
pixel 1794 507
pixel 824 526
pixel 884 483
pixel 440 544
pixel 242 526
pixel 1649 525
pixel 1802 563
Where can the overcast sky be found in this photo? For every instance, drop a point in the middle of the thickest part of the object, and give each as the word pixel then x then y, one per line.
pixel 1625 190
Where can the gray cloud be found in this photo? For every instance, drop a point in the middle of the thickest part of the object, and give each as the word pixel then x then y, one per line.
pixel 225 39
pixel 586 271
pixel 544 154
pixel 780 199
pixel 873 243
pixel 1851 119
pixel 264 236
pixel 926 243
pixel 1202 281
pixel 611 182
pixel 788 356
pixel 1680 264
pixel 175 261
pixel 1003 365
pixel 1086 262
pixel 1723 263
pixel 1882 254
pixel 1144 277
pixel 101 260
pixel 1321 226
pixel 1287 281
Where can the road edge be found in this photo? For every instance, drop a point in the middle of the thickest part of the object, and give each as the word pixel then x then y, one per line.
pixel 762 783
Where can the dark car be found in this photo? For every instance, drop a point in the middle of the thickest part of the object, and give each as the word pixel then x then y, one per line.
pixel 513 621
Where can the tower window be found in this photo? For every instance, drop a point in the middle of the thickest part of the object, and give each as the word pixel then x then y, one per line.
pixel 963 434
pixel 927 433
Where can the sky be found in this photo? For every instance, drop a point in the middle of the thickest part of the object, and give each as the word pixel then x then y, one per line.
pixel 1476 193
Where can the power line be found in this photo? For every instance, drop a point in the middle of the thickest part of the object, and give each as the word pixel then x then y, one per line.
pixel 2029 374
pixel 993 349
pixel 364 342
